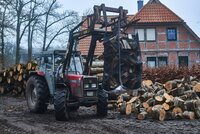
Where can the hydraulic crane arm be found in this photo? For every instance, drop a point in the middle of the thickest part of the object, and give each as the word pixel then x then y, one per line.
pixel 105 24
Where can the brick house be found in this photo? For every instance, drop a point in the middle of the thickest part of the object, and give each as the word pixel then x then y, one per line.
pixel 165 38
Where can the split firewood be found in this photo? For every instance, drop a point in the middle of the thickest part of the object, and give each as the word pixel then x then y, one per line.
pixel 184 97
pixel 170 115
pixel 166 106
pixel 129 108
pixel 141 91
pixel 125 97
pixel 123 108
pixel 190 105
pixel 146 96
pixel 167 97
pixel 136 107
pixel 132 100
pixel 159 99
pixel 148 103
pixel 120 99
pixel 191 94
pixel 158 112
pixel 189 115
pixel 164 101
pixel 157 87
pixel 149 110
pixel 170 85
pixel 197 108
pixel 187 87
pixel 177 91
pixel 161 92
pixel 193 83
pixel 178 102
pixel 177 111
pixel 147 83
pixel 196 88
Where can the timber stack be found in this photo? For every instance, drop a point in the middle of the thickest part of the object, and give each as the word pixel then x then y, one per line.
pixel 176 99
pixel 13 79
pixel 97 68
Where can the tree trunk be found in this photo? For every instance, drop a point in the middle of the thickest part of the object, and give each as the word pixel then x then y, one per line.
pixel 17 55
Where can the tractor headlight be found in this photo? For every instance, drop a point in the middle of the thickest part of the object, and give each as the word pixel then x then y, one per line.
pixel 94 85
pixel 86 85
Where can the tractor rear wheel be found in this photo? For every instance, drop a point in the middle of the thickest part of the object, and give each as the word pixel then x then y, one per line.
pixel 60 105
pixel 37 94
pixel 102 105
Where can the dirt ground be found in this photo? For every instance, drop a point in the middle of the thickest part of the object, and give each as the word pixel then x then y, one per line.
pixel 16 119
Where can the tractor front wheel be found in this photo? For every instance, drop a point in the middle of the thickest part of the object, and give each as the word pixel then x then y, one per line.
pixel 37 94
pixel 102 105
pixel 60 105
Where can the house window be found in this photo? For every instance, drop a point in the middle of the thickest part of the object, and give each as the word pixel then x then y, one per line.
pixel 183 61
pixel 162 61
pixel 171 34
pixel 140 34
pixel 151 61
pixel 151 34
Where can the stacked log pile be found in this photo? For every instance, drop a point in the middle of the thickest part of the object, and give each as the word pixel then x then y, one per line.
pixel 175 99
pixel 13 79
pixel 97 69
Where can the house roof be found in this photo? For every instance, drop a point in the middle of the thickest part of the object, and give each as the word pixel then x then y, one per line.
pixel 156 12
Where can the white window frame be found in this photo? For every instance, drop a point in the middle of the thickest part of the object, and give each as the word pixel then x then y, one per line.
pixel 141 34
pixel 150 34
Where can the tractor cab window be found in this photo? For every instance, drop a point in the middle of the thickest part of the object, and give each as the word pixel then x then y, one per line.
pixel 76 66
pixel 47 61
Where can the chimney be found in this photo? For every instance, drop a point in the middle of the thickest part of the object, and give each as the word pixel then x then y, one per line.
pixel 140 4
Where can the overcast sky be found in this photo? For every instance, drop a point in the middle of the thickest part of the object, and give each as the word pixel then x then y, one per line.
pixel 188 10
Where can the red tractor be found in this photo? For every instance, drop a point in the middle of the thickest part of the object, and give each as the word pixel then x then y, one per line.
pixel 63 80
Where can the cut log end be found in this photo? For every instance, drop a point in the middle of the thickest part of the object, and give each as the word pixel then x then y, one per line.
pixel 142 115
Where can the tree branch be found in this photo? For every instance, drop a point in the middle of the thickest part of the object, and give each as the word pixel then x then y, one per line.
pixel 59 32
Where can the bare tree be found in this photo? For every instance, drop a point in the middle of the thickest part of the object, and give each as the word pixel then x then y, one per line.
pixel 5 24
pixel 30 16
pixel 87 12
pixel 56 24
pixel 33 19
pixel 21 18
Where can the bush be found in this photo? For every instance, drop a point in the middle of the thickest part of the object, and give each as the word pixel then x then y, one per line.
pixel 164 74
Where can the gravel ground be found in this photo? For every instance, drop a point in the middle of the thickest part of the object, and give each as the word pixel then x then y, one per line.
pixel 16 119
